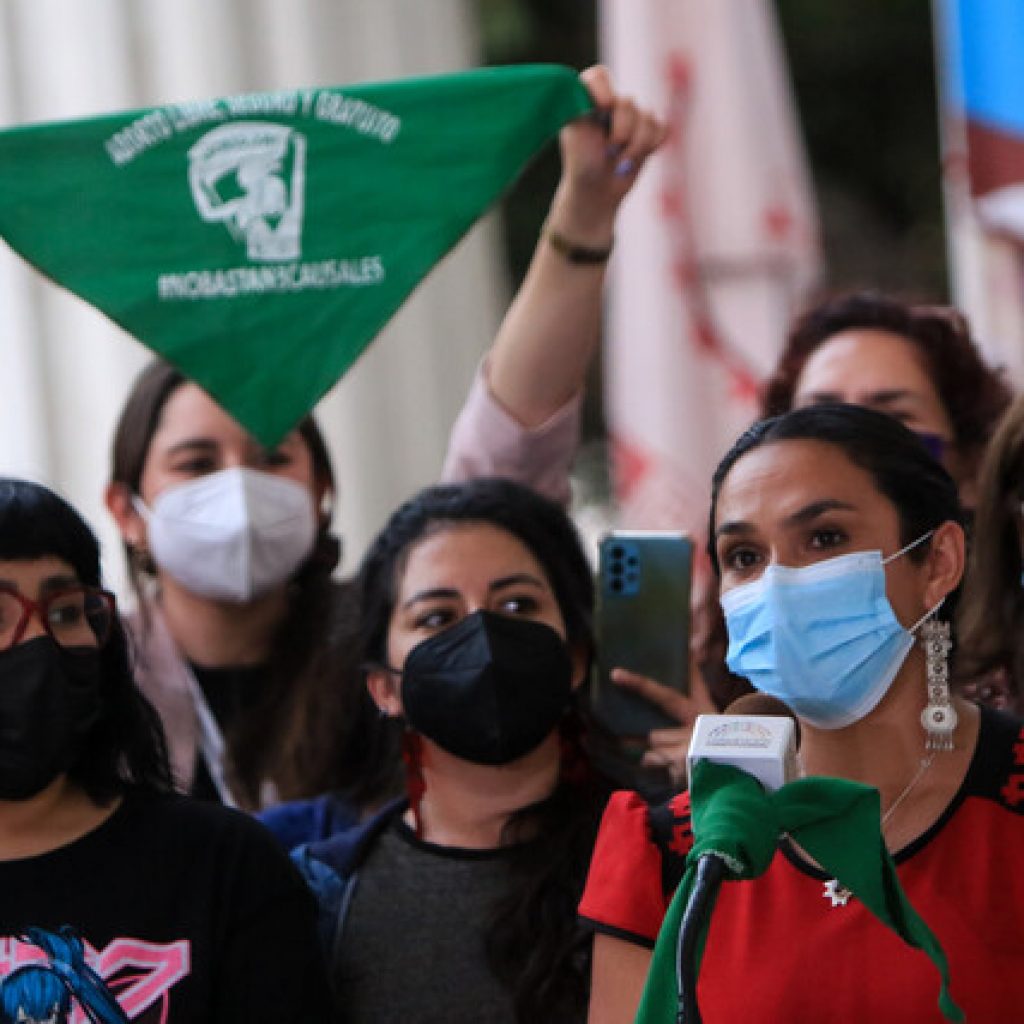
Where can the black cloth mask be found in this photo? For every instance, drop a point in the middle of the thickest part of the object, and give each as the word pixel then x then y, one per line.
pixel 489 689
pixel 49 698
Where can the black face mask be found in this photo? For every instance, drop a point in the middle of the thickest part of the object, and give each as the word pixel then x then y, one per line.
pixel 49 698
pixel 488 690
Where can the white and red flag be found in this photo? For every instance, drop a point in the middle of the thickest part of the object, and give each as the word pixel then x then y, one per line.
pixel 716 250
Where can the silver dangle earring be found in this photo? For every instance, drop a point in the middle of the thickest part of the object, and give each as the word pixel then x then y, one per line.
pixel 939 718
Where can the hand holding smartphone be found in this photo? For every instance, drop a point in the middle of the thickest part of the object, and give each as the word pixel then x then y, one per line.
pixel 642 625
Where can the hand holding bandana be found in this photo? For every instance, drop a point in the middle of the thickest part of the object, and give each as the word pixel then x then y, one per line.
pixel 260 242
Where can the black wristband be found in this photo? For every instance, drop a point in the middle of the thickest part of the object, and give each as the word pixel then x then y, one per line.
pixel 576 253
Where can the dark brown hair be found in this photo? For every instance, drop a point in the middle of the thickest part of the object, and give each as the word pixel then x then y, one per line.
pixel 972 393
pixel 534 943
pixel 315 728
pixel 140 418
pixel 923 494
pixel 992 611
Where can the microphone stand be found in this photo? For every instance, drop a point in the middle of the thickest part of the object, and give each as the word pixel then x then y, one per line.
pixel 710 872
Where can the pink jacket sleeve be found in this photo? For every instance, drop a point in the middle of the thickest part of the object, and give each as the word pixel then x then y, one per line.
pixel 488 441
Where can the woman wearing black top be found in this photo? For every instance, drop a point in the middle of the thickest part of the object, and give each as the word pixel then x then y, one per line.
pixel 120 897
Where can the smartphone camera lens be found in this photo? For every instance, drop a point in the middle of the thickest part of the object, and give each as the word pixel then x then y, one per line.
pixel 622 570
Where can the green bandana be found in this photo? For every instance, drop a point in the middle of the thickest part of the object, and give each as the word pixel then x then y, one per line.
pixel 836 821
pixel 260 242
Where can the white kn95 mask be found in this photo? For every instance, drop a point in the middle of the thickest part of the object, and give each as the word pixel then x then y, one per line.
pixel 232 535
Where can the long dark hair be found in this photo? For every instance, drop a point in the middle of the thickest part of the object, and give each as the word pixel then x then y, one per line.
pixel 314 728
pixel 535 945
pixel 992 610
pixel 125 747
pixel 972 393
pixel 903 470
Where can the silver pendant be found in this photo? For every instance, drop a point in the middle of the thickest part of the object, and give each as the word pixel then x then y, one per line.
pixel 939 717
pixel 837 893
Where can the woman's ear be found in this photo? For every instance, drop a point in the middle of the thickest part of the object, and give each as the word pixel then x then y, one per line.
pixel 946 560
pixel 384 687
pixel 132 527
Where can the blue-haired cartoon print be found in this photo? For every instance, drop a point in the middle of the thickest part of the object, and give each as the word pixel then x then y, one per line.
pixel 45 993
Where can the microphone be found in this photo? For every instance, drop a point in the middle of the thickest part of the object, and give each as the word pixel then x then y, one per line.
pixel 756 703
pixel 758 735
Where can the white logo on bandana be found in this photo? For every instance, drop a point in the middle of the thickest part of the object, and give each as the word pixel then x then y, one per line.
pixel 251 176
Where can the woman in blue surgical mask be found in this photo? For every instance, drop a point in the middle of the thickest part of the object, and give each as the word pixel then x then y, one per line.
pixel 839 547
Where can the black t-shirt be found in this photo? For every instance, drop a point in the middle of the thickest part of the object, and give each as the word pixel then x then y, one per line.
pixel 188 913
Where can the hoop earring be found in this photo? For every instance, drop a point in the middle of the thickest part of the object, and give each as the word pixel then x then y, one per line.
pixel 939 718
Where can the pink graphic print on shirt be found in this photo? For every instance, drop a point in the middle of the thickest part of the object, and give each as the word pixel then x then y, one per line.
pixel 139 974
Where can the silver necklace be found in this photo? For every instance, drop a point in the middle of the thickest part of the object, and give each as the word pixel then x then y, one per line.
pixel 926 763
pixel 839 894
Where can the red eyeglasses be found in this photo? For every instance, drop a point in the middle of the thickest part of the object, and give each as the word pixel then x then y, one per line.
pixel 72 617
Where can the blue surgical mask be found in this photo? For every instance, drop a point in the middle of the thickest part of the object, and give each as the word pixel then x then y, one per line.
pixel 822 638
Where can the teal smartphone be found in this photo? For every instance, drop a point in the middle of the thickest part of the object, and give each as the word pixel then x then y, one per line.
pixel 642 624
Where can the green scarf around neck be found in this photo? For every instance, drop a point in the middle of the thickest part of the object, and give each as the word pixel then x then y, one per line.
pixel 836 821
